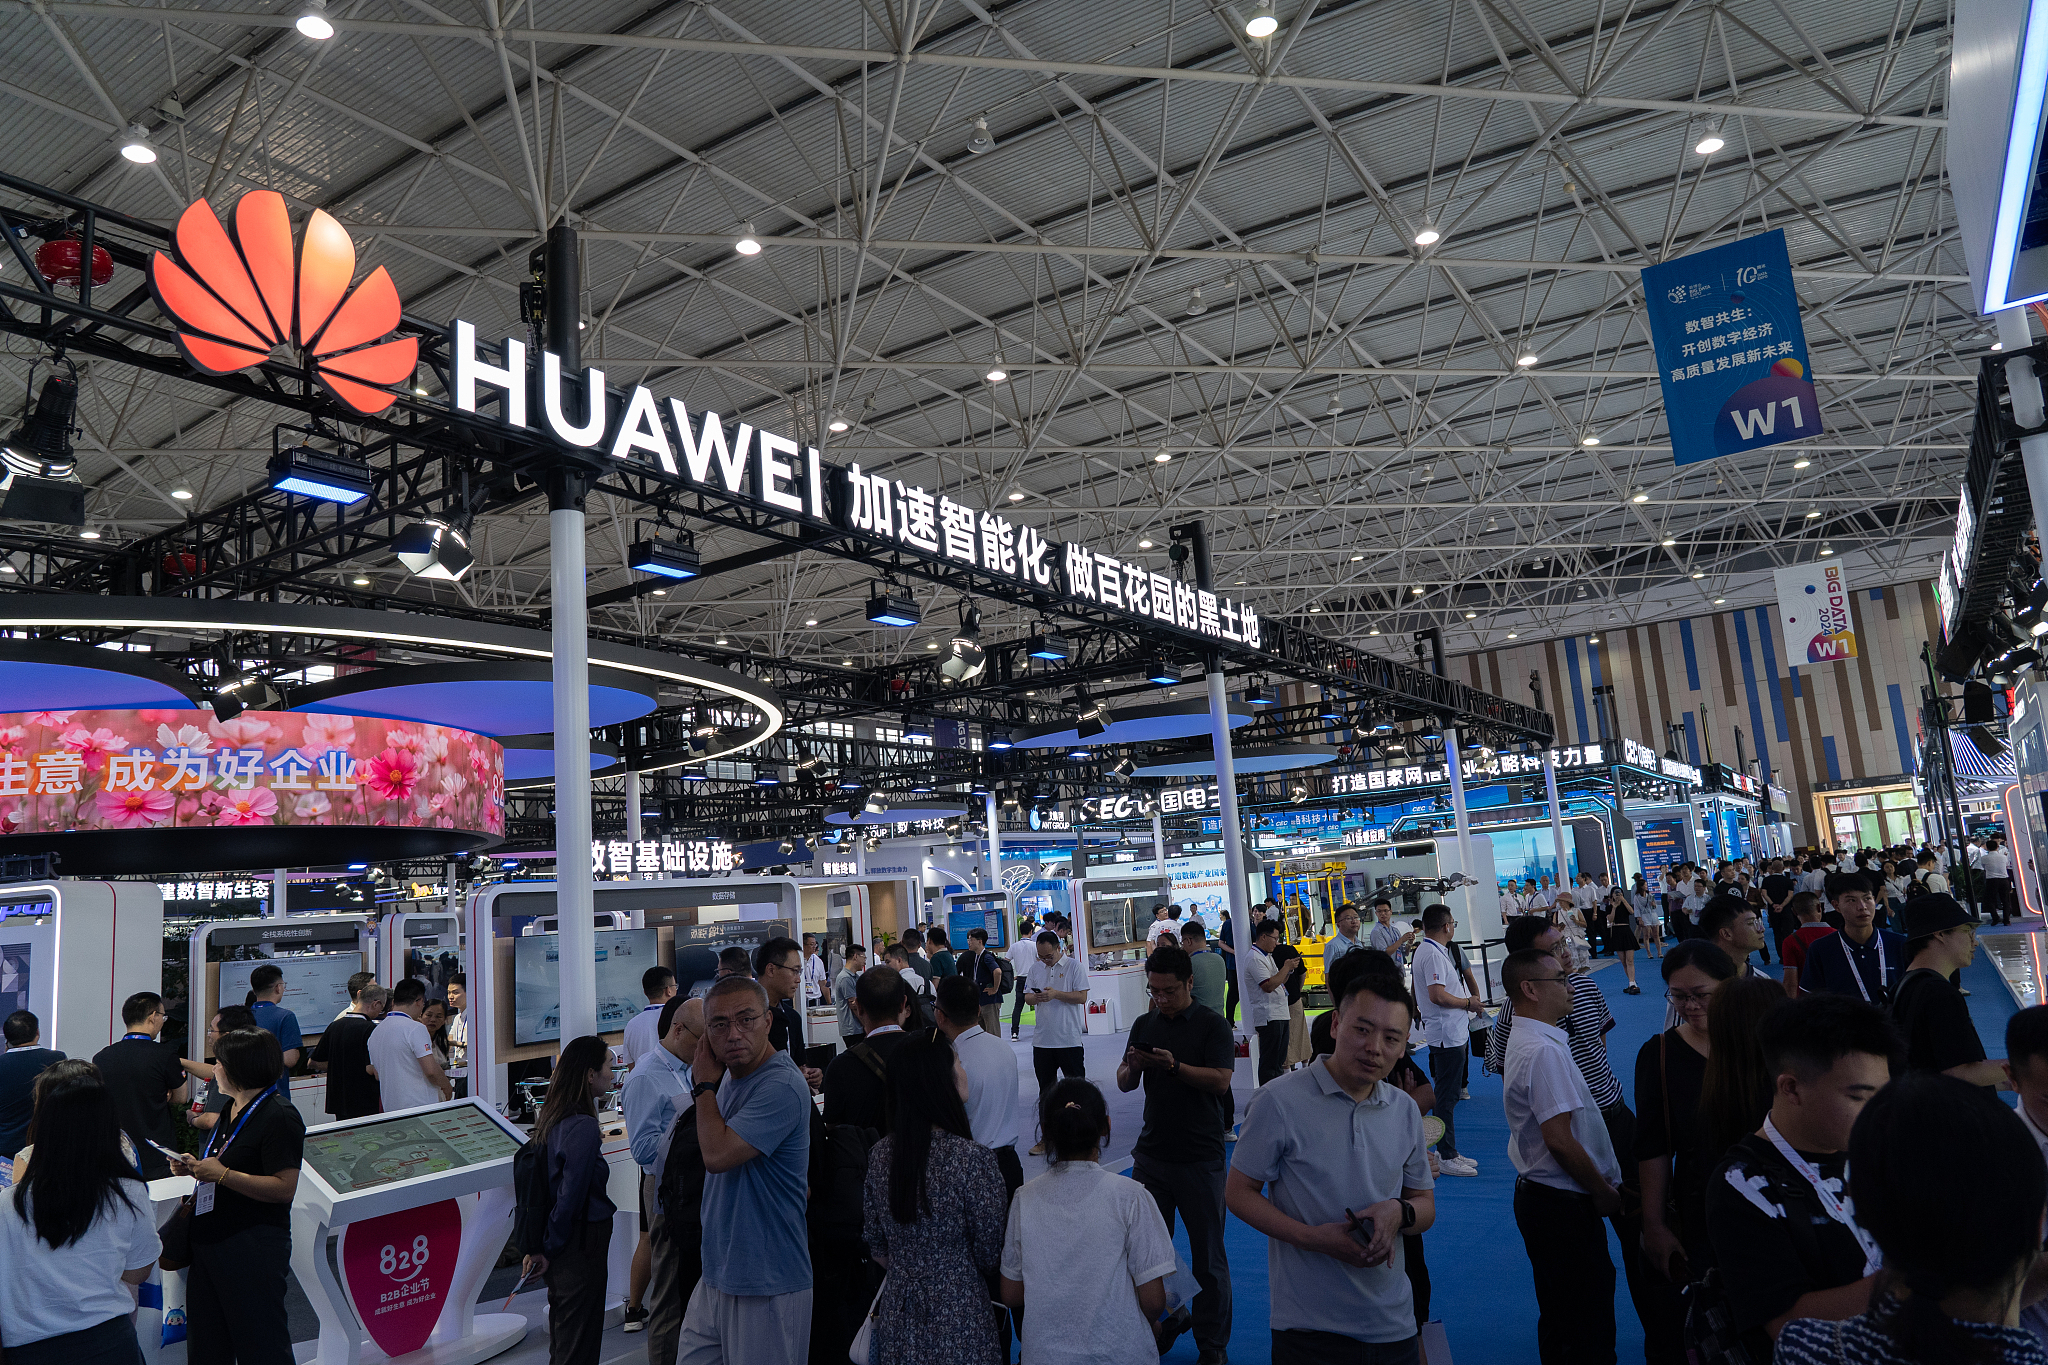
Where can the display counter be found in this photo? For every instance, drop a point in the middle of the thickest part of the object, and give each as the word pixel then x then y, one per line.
pixel 1122 989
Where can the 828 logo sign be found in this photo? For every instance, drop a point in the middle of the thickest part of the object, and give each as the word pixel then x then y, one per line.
pixel 385 1263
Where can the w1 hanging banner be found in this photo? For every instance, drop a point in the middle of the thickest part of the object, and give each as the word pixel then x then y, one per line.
pixel 1731 349
pixel 1813 613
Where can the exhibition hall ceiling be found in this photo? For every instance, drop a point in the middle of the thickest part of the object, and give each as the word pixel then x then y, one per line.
pixel 1194 253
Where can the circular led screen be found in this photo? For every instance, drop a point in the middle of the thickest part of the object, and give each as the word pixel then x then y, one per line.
pixel 514 697
pixel 1267 758
pixel 1133 725
pixel 52 675
pixel 158 790
pixel 900 810
pixel 530 759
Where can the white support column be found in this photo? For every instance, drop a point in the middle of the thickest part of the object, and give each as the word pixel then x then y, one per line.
pixel 995 850
pixel 280 884
pixel 632 783
pixel 1158 844
pixel 575 901
pixel 1556 814
pixel 2016 333
pixel 454 887
pixel 1233 844
pixel 1454 770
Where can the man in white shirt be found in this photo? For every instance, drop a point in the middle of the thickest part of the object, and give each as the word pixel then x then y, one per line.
pixel 1165 930
pixel 458 1023
pixel 1510 902
pixel 817 976
pixel 1997 868
pixel 994 1076
pixel 658 984
pixel 1444 1000
pixel 402 1055
pixel 1271 1016
pixel 1022 954
pixel 1057 988
pixel 653 1094
pixel 1567 1178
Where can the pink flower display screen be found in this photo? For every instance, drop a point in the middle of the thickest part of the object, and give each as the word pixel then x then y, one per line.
pixel 132 770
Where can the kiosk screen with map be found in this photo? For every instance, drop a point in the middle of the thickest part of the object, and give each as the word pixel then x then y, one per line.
pixel 403 1148
pixel 622 956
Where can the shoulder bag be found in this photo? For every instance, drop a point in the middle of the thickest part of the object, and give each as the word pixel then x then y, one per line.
pixel 863 1349
pixel 176 1236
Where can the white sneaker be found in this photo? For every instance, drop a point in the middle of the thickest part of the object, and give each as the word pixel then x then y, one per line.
pixel 1461 1165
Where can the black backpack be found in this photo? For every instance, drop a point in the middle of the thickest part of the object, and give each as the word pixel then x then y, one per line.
pixel 533 1198
pixel 681 1190
pixel 839 1177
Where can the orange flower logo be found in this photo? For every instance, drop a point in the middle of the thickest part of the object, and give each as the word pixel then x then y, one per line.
pixel 235 297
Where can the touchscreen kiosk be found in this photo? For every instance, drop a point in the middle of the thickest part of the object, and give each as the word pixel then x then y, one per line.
pixel 989 911
pixel 73 951
pixel 419 1203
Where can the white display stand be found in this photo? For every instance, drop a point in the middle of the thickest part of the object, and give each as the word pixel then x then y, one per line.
pixel 74 951
pixel 283 935
pixel 482 1189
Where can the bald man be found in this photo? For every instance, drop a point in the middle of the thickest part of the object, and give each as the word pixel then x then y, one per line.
pixel 654 1095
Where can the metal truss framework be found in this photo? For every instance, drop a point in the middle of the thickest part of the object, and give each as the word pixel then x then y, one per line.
pixel 1344 408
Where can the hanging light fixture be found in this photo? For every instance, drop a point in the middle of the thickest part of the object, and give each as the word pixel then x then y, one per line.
pixel 1196 307
pixel 1161 455
pixel 1263 23
pixel 980 140
pixel 748 244
pixel 1427 235
pixel 1640 495
pixel 965 658
pixel 997 371
pixel 1711 140
pixel 838 422
pixel 313 21
pixel 1095 717
pixel 433 549
pixel 1336 406
pixel 136 146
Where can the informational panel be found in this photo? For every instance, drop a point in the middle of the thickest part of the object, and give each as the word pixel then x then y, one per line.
pixel 315 984
pixel 366 1155
pixel 16 974
pixel 622 955
pixel 1731 349
pixel 1813 612
pixel 1660 844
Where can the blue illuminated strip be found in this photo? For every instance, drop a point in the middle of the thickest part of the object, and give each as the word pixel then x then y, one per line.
pixel 318 488
pixel 2022 139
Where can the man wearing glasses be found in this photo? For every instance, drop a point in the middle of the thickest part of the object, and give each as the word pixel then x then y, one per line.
pixel 1567 1180
pixel 1182 1053
pixel 753 1109
pixel 144 1079
pixel 779 966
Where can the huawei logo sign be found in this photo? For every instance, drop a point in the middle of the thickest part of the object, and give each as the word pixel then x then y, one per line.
pixel 238 294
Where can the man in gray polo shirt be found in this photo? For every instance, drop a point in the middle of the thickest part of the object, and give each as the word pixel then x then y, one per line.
pixel 1331 1167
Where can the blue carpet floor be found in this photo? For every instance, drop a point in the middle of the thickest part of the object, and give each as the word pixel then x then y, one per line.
pixel 1481 1289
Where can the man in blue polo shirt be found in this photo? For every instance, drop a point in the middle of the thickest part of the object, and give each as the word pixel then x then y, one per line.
pixel 1860 961
pixel 266 984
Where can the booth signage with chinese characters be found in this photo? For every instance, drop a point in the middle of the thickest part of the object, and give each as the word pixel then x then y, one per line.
pixel 144 769
pixel 1644 757
pixel 1428 774
pixel 773 472
pixel 661 857
pixel 214 891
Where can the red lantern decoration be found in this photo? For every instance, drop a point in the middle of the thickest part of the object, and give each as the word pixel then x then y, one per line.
pixel 183 564
pixel 61 262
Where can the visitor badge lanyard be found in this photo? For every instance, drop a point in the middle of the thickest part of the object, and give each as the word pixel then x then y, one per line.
pixel 202 1195
pixel 1873 1259
pixel 131 1037
pixel 1884 976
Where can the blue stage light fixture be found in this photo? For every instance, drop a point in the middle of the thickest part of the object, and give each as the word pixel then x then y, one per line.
pixel 666 558
pixel 1161 673
pixel 894 607
pixel 1051 646
pixel 318 474
pixel 997 737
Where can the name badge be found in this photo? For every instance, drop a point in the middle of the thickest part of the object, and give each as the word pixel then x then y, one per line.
pixel 202 1200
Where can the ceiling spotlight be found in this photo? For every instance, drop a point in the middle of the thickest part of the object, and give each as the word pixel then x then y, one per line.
pixel 1016 495
pixel 1374 631
pixel 996 737
pixel 320 474
pixel 1801 463
pixel 1813 514
pixel 182 493
pixel 1145 544
pixel 1640 495
pixel 136 146
pixel 246 693
pixel 1263 23
pixel 786 847
pixel 748 244
pixel 433 549
pixel 916 727
pixel 1526 359
pixel 1590 439
pixel 1050 645
pixel 769 775
pixel 838 423
pixel 1699 573
pixel 88 534
pixel 1711 140
pixel 313 21
pixel 719 641
pixel 965 658
pixel 1417 591
pixel 1471 615
pixel 1826 548
pixel 1336 406
pixel 997 371
pixel 980 139
pixel 1356 558
pixel 1196 307
pixel 891 606
pixel 670 559
pixel 360 581
pixel 1298 793
pixel 1258 694
pixel 1513 635
pixel 1316 608
pixel 1123 769
pixel 1592 639
pixel 1428 236
pixel 1997 345
pixel 1668 541
pixel 1160 673
pixel 1719 600
pixel 1095 717
pixel 1161 455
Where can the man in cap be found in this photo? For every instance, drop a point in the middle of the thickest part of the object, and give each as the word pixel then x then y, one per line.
pixel 1928 1010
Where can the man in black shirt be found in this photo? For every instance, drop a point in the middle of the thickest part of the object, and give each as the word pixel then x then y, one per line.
pixel 986 971
pixel 1184 1056
pixel 25 1059
pixel 779 967
pixel 856 1089
pixel 1778 888
pixel 1785 1240
pixel 1941 939
pixel 344 1050
pixel 144 1078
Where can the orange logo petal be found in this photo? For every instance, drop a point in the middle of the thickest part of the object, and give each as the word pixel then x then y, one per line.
pixel 327 262
pixel 368 313
pixel 263 229
pixel 185 299
pixel 204 247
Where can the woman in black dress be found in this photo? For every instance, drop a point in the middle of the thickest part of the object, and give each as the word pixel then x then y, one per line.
pixel 1621 936
pixel 1670 1152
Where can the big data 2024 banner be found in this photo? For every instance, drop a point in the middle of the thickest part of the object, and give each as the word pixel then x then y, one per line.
pixel 1731 350
pixel 1813 613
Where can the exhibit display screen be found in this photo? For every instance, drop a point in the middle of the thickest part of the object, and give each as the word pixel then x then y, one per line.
pixel 315 984
pixel 15 975
pixel 622 955
pixel 404 1148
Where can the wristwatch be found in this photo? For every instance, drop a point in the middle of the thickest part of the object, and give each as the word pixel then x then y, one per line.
pixel 702 1086
pixel 1407 1214
pixel 1176 1068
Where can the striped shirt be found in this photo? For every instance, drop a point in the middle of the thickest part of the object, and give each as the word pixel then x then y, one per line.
pixel 1862 1341
pixel 1586 1025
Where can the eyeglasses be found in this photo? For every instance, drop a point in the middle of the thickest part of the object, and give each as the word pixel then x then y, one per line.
pixel 1686 999
pixel 1166 993
pixel 741 1023
pixel 1546 978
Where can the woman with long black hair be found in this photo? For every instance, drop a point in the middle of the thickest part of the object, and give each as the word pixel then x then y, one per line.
pixel 73 1237
pixel 580 1227
pixel 241 1211
pixel 932 1194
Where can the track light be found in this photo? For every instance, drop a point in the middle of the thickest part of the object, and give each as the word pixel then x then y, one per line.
pixel 320 474
pixel 313 22
pixel 1051 646
pixel 1263 23
pixel 669 559
pixel 891 606
pixel 980 139
pixel 1196 307
pixel 965 659
pixel 433 549
pixel 1095 717
pixel 748 244
pixel 136 146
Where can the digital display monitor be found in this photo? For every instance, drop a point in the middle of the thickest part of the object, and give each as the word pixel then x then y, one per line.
pixel 14 977
pixel 315 984
pixel 622 955
pixel 384 1152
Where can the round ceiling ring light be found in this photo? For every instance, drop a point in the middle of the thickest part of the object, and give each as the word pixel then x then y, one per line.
pixel 530 760
pixel 1135 725
pixel 58 675
pixel 402 630
pixel 1265 758
pixel 501 697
